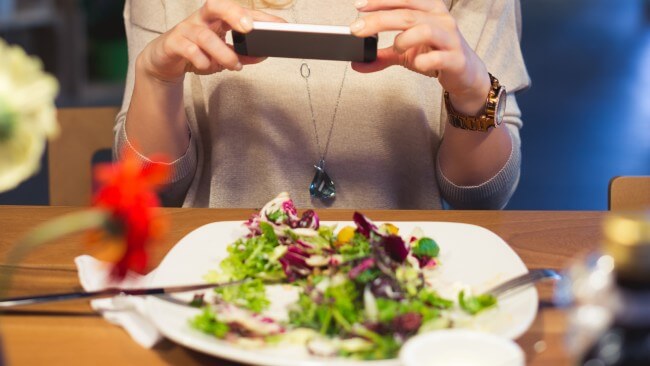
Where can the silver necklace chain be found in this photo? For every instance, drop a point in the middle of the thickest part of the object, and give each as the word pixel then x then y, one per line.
pixel 305 72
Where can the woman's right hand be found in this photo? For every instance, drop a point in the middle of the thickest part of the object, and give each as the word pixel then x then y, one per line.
pixel 198 44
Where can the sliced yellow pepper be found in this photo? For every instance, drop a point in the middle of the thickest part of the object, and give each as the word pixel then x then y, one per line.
pixel 345 235
pixel 389 228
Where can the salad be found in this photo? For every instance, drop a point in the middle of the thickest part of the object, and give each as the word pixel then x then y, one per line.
pixel 362 289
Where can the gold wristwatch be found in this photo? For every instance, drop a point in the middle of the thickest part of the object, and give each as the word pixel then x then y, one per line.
pixel 495 107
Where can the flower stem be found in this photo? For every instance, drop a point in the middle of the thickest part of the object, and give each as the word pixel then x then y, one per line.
pixel 7 121
pixel 57 228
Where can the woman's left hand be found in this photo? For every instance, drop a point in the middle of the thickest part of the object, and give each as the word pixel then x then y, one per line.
pixel 429 43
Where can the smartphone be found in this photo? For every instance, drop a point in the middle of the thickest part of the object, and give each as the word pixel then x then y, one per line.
pixel 309 41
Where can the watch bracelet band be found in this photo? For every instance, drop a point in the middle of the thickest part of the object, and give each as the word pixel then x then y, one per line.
pixel 481 123
pixel 474 123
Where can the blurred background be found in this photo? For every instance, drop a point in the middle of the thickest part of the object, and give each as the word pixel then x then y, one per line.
pixel 586 116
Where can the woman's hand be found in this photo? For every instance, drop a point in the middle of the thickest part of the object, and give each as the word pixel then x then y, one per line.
pixel 429 43
pixel 198 44
pixel 156 114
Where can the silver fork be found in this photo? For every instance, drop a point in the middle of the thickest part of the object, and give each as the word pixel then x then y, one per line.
pixel 523 281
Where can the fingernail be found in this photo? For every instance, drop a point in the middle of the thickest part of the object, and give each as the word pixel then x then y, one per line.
pixel 357 26
pixel 239 66
pixel 360 3
pixel 246 23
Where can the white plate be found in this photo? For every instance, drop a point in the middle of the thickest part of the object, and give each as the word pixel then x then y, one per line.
pixel 469 254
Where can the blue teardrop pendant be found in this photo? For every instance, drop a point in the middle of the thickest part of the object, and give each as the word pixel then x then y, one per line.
pixel 322 186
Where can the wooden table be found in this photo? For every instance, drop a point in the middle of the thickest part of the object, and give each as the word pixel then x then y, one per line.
pixel 70 333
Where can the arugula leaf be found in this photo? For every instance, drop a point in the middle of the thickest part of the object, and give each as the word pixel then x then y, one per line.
pixel 277 216
pixel 387 309
pixel 475 304
pixel 367 276
pixel 208 323
pixel 357 247
pixel 386 346
pixel 250 295
pixel 252 258
pixel 336 310
pixel 327 233
pixel 390 309
pixel 432 298
pixel 269 233
pixel 306 313
pixel 347 303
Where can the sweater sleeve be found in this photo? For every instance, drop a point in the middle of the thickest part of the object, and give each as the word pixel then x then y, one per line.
pixel 497 43
pixel 144 21
pixel 496 191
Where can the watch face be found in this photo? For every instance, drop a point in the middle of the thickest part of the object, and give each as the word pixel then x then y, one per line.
pixel 501 106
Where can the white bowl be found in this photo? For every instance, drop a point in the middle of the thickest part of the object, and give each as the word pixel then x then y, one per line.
pixel 457 347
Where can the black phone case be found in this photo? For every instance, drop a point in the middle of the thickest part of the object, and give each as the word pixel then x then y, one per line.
pixel 369 54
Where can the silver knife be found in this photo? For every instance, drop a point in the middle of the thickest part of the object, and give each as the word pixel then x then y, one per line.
pixel 109 292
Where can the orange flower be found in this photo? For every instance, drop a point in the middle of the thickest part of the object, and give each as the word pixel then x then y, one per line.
pixel 128 192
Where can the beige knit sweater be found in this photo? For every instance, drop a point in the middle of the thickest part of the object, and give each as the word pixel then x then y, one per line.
pixel 252 135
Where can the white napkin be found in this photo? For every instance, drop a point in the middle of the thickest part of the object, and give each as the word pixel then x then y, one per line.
pixel 126 311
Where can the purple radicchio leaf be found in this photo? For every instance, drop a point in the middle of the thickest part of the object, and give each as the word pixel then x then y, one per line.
pixel 359 268
pixel 296 249
pixel 385 264
pixel 294 263
pixel 253 225
pixel 386 287
pixel 304 244
pixel 395 247
pixel 406 325
pixel 364 225
pixel 289 208
pixel 376 327
pixel 309 220
pixel 426 262
pixel 389 252
pixel 285 240
pixel 334 261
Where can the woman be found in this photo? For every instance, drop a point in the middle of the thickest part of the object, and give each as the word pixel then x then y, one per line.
pixel 241 129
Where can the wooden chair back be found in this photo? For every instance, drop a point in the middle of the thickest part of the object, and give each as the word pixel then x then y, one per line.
pixel 84 132
pixel 629 193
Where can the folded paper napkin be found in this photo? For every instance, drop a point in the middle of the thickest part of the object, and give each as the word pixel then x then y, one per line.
pixel 126 311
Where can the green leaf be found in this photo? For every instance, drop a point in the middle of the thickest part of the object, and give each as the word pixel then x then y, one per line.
pixel 385 346
pixel 367 276
pixel 268 232
pixel 386 309
pixel 208 323
pixel 250 295
pixel 327 233
pixel 432 298
pixel 276 216
pixel 339 307
pixel 389 309
pixel 475 304
pixel 252 258
pixel 357 247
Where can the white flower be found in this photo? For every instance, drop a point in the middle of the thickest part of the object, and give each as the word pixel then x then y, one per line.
pixel 27 114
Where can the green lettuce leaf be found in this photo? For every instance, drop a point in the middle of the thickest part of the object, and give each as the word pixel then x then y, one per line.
pixel 475 304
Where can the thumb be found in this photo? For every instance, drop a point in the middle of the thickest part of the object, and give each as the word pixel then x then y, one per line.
pixel 386 57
